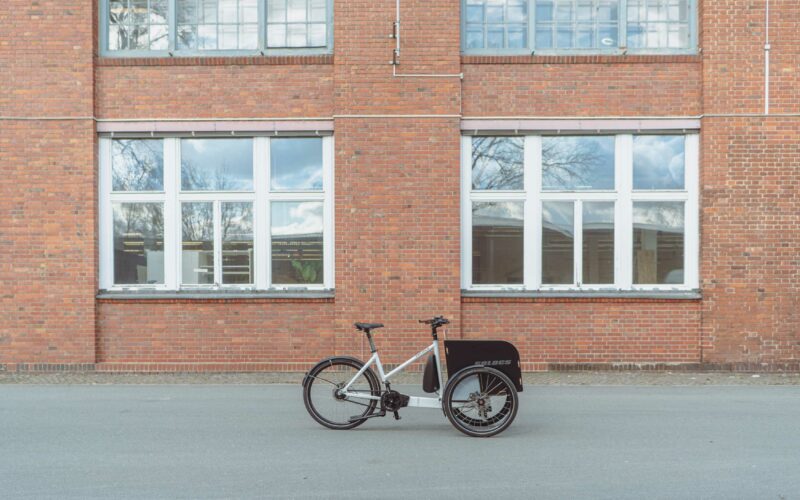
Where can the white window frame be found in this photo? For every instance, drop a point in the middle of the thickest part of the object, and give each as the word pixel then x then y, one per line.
pixel 172 50
pixel 261 196
pixel 623 195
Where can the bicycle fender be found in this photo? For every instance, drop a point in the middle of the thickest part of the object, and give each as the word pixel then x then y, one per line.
pixel 328 360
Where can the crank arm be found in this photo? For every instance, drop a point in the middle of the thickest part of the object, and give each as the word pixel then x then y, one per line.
pixel 382 413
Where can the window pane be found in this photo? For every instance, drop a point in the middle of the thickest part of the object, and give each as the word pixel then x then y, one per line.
pixel 297 242
pixel 137 165
pixel 296 164
pixel 585 24
pixel 197 256
pixel 137 25
pixel 659 161
pixel 658 24
pixel 237 243
pixel 217 24
pixel 138 243
pixel 497 162
pixel 577 163
pixel 496 24
pixel 217 164
pixel 598 243
pixel 558 242
pixel 497 243
pixel 658 242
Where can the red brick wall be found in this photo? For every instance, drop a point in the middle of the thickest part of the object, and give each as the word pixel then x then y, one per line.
pixel 231 332
pixel 397 191
pixel 547 331
pixel 542 86
pixel 47 185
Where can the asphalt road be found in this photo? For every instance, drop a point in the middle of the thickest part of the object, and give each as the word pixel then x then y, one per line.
pixel 256 441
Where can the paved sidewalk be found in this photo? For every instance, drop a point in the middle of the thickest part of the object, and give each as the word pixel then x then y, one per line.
pixel 542 378
pixel 256 441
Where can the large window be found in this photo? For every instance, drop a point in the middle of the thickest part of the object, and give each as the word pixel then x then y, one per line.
pixel 580 212
pixel 216 213
pixel 191 27
pixel 578 26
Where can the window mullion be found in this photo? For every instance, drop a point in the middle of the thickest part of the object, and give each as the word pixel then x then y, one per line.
pixel 106 219
pixel 535 174
pixel 262 25
pixel 261 211
pixel 172 214
pixel 691 211
pixel 172 24
pixel 532 26
pixel 529 224
pixel 466 212
pixel 217 243
pixel 623 213
pixel 578 242
pixel 328 262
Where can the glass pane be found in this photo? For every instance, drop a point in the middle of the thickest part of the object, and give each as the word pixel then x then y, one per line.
pixel 558 243
pixel 475 39
pixel 237 243
pixel 497 163
pixel 297 242
pixel 658 242
pixel 544 38
pixel 517 37
pixel 137 165
pixel 138 243
pixel 296 12
pixel 186 11
pixel 197 256
pixel 577 163
pixel 659 161
pixel 316 35
pixel 296 164
pixel 217 164
pixel 598 243
pixel 228 37
pixel 318 12
pixel 474 13
pixel 544 10
pixel 248 36
pixel 296 35
pixel 276 35
pixel 494 13
pixel 494 38
pixel 276 11
pixel 497 243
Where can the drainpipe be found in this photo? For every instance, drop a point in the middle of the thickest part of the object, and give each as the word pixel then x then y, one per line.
pixel 767 48
pixel 396 54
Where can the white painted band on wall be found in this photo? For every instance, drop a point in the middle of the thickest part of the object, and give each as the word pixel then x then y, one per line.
pixel 579 125
pixel 179 126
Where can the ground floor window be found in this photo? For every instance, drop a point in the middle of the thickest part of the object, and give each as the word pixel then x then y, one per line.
pixel 580 212
pixel 216 212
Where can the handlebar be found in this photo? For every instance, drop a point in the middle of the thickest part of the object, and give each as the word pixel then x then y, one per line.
pixel 436 321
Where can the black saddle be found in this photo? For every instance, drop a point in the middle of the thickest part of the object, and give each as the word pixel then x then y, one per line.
pixel 365 327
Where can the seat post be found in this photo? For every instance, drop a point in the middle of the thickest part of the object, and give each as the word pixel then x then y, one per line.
pixel 372 347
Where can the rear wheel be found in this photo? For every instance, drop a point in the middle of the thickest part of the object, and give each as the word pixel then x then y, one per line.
pixel 324 400
pixel 480 401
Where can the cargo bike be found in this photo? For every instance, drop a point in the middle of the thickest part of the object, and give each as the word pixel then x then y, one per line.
pixel 480 397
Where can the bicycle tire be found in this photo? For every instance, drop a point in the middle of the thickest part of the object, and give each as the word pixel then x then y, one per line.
pixel 321 401
pixel 480 401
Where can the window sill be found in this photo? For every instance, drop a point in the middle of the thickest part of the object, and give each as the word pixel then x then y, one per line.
pixel 216 295
pixel 579 296
pixel 581 59
pixel 211 60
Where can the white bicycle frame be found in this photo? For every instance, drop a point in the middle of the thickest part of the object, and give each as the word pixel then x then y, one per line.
pixel 420 402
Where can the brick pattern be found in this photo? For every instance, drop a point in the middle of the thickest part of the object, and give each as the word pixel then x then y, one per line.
pixel 397 193
pixel 557 331
pixel 216 332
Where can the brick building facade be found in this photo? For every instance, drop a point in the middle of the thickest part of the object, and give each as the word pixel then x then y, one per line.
pixel 393 141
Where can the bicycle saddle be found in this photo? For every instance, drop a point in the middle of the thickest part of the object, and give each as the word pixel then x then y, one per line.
pixel 365 327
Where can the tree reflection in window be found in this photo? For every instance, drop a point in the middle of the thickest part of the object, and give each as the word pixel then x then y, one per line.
pixel 137 165
pixel 577 163
pixel 138 25
pixel 138 243
pixel 497 163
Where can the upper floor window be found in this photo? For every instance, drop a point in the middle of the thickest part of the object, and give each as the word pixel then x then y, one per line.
pixel 525 26
pixel 161 27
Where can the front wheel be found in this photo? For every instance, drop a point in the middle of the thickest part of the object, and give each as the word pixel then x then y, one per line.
pixel 322 393
pixel 480 401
